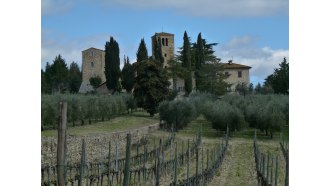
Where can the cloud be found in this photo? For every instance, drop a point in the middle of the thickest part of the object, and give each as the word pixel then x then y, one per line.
pixel 263 60
pixel 54 43
pixel 51 7
pixel 221 8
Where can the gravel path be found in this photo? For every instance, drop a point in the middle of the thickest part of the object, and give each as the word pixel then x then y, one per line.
pixel 238 168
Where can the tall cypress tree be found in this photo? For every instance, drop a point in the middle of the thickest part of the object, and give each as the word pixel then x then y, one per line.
pixel 199 55
pixel 199 58
pixel 74 78
pixel 128 76
pixel 157 50
pixel 142 53
pixel 186 62
pixel 112 65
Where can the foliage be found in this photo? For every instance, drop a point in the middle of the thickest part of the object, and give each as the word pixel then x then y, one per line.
pixel 112 68
pixel 186 62
pixel 257 89
pixel 177 114
pixel 242 88
pixel 81 108
pixel 142 53
pixel 279 80
pixel 221 114
pixel 95 81
pixel 56 76
pixel 211 78
pixel 128 76
pixel 175 71
pixel 75 78
pixel 151 85
pixel 157 50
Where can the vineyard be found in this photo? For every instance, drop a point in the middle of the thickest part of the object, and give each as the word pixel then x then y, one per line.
pixel 113 151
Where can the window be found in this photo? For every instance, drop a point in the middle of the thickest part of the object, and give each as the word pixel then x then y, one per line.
pixel 165 55
pixel 163 41
pixel 166 42
pixel 92 64
pixel 92 53
pixel 239 74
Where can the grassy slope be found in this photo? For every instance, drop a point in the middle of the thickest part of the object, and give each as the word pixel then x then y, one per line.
pixel 136 120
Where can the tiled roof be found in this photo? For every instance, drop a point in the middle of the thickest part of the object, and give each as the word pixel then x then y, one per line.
pixel 234 66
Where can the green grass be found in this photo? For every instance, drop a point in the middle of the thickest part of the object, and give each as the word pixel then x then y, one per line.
pixel 138 119
pixel 207 130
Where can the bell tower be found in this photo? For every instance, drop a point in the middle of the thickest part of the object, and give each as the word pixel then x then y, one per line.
pixel 167 45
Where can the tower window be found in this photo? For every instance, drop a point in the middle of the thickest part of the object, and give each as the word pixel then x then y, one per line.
pixel 239 74
pixel 92 64
pixel 165 55
pixel 163 41
pixel 166 41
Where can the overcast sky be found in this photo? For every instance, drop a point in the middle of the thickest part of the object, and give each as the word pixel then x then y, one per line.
pixel 251 32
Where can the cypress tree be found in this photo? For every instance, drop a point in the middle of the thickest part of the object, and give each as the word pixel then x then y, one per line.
pixel 199 56
pixel 74 78
pixel 186 62
pixel 112 65
pixel 157 50
pixel 142 53
pixel 128 74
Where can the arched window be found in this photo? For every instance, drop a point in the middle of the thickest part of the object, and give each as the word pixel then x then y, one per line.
pixel 92 64
pixel 163 41
pixel 166 41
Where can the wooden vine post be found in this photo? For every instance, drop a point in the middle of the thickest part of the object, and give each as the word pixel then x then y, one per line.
pixel 61 144
pixel 109 164
pixel 127 161
pixel 82 162
pixel 175 164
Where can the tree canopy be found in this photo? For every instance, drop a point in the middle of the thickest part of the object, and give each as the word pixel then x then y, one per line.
pixel 112 65
pixel 128 76
pixel 152 86
pixel 279 80
pixel 142 53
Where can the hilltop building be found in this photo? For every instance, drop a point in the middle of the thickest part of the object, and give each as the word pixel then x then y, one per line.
pixel 236 73
pixel 93 62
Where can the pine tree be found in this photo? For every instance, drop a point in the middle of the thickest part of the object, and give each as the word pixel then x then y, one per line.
pixel 128 76
pixel 186 62
pixel 279 80
pixel 142 53
pixel 58 75
pixel 112 65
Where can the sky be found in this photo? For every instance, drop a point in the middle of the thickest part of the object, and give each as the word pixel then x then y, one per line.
pixel 250 32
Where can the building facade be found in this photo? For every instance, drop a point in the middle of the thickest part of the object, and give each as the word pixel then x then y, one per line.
pixel 236 73
pixel 93 61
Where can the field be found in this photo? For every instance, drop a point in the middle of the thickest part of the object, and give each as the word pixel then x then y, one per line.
pixel 237 168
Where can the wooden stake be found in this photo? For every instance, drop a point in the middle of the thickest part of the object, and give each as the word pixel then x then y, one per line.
pixel 61 144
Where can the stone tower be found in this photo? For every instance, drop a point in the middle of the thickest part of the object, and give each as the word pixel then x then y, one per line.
pixel 93 60
pixel 167 44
